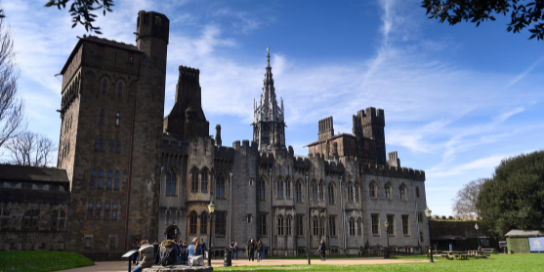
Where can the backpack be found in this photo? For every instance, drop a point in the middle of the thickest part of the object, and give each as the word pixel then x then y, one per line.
pixel 168 257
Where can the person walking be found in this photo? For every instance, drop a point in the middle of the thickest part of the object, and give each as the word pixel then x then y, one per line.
pixel 259 250
pixel 322 250
pixel 234 250
pixel 251 250
pixel 146 253
pixel 204 248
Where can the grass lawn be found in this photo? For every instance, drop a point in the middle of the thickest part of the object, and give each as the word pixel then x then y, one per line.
pixel 496 262
pixel 40 261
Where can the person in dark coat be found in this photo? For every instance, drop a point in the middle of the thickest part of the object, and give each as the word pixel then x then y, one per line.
pixel 156 253
pixel 251 247
pixel 322 250
pixel 259 251
pixel 203 246
pixel 135 255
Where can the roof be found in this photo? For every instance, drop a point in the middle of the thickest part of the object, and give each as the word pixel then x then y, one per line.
pixel 523 233
pixel 29 173
pixel 99 40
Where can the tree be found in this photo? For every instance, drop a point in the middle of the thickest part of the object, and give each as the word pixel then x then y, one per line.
pixel 11 107
pixel 82 11
pixel 464 204
pixel 31 149
pixel 524 15
pixel 514 197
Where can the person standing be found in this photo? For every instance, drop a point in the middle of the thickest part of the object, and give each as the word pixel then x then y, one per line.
pixel 234 250
pixel 259 250
pixel 251 250
pixel 204 248
pixel 322 250
pixel 146 253
pixel 135 255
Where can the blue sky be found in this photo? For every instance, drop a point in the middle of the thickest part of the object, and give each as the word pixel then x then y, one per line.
pixel 457 99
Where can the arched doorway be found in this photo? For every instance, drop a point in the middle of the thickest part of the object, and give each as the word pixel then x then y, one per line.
pixel 172 232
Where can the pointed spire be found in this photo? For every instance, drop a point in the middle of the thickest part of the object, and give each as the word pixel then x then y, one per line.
pixel 268 55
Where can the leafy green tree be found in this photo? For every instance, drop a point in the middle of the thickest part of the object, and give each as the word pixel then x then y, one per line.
pixel 530 15
pixel 82 11
pixel 514 197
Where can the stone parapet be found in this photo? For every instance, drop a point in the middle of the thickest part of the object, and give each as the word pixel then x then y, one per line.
pixel 390 171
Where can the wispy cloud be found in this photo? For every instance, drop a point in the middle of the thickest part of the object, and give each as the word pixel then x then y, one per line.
pixel 525 73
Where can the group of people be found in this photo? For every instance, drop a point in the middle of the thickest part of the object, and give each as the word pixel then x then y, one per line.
pixel 253 249
pixel 147 254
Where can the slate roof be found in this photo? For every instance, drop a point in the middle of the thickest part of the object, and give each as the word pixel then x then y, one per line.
pixel 28 173
pixel 523 233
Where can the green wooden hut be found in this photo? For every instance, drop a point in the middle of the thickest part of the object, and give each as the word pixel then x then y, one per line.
pixel 517 240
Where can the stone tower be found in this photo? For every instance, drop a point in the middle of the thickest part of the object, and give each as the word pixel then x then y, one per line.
pixel 268 117
pixel 368 128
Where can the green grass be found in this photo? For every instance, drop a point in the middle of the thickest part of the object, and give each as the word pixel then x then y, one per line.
pixel 498 262
pixel 40 261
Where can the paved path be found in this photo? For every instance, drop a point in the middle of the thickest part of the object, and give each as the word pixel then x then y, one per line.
pixel 123 266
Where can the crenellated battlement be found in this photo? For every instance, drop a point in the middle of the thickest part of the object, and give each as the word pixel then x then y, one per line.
pixel 223 152
pixel 333 167
pixel 266 158
pixel 372 117
pixel 301 162
pixel 391 171
pixel 189 72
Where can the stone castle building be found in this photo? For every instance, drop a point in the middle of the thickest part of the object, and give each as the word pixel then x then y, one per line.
pixel 126 173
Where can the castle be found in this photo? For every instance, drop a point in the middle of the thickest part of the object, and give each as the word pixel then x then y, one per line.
pixel 126 173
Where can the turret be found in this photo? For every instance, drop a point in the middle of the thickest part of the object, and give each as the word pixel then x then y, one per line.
pixel 218 141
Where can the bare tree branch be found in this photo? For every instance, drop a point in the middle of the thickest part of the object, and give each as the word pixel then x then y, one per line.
pixel 464 204
pixel 31 149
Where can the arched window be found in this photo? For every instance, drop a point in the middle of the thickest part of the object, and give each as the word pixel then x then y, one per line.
pixel 110 176
pixel 192 223
pixel 220 186
pixel 261 189
pixel 117 119
pixel 352 227
pixel 194 182
pixel 280 225
pixel 107 211
pixel 321 191
pixel 288 232
pixel 102 116
pixel 280 188
pixel 97 210
pixel 402 192
pixel 54 218
pixel 105 86
pixel 114 212
pixel 171 183
pixel 372 189
pixel 116 181
pixel 322 226
pixel 298 192
pixel 93 178
pixel 288 188
pixel 90 210
pixel 204 223
pixel 100 179
pixel 387 191
pixel 315 222
pixel 314 191
pixel 120 89
pixel 350 193
pixel 417 191
pixel 331 194
pixel 204 182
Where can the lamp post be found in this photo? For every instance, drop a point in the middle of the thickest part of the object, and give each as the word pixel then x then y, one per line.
pixel 308 241
pixel 386 253
pixel 477 234
pixel 211 209
pixel 428 214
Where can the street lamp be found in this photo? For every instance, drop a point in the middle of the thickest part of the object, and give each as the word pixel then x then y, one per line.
pixel 386 253
pixel 428 214
pixel 308 231
pixel 211 209
pixel 477 234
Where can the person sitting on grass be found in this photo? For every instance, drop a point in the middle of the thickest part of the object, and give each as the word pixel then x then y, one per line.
pixel 146 256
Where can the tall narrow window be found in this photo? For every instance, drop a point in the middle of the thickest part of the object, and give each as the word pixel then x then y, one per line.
pixel 262 224
pixel 93 178
pixel 194 183
pixel 114 212
pixel 315 222
pixel 102 116
pixel 402 192
pixel 260 189
pixel 387 191
pixel 220 186
pixel 288 232
pixel 107 210
pixel 105 86
pixel 120 89
pixel 204 182
pixel 100 179
pixel 405 229
pixel 280 188
pixel 314 191
pixel 375 224
pixel 352 227
pixel 171 182
pixel 299 227
pixel 372 190
pixel 280 225
pixel 322 226
pixel 117 119
pixel 331 194
pixel 90 210
pixel 204 223
pixel 391 228
pixel 350 193
pixel 110 177
pixel 332 225
pixel 116 181
pixel 298 191
pixel 288 188
pixel 192 223
pixel 97 210
pixel 321 191
pixel 220 219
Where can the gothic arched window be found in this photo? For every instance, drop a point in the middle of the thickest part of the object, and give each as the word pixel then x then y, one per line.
pixel 372 190
pixel 171 182
pixel 298 192
pixel 280 225
pixel 108 183
pixel 192 223
pixel 288 188
pixel 387 191
pixel 116 181
pixel 261 189
pixel 321 191
pixel 314 191
pixel 220 186
pixel 331 193
pixel 352 227
pixel 204 223
pixel 280 188
pixel 350 193
pixel 194 181
pixel 204 181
